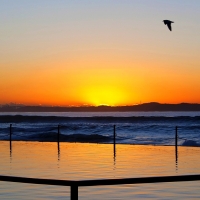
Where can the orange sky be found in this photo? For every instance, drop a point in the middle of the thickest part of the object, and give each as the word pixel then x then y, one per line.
pixel 97 53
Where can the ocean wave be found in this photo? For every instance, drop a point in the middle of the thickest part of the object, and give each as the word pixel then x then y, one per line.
pixel 53 137
pixel 97 138
pixel 99 119
pixel 151 130
pixel 190 143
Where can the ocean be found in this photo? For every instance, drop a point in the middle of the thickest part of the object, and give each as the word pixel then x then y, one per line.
pixel 146 128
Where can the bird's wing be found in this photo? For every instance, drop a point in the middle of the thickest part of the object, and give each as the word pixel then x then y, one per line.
pixel 169 26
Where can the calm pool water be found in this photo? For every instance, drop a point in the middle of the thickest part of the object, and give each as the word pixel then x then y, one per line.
pixel 80 161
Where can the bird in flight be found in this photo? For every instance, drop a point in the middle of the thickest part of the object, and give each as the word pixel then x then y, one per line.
pixel 168 23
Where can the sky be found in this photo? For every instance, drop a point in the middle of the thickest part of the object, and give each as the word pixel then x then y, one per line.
pixel 99 52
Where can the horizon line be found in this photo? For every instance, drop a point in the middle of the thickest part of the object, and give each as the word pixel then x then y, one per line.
pixel 87 105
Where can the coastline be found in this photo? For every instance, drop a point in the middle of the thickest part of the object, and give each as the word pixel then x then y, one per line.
pixel 145 107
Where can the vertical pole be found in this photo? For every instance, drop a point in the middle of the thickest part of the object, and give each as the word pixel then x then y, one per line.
pixel 176 137
pixel 10 137
pixel 114 139
pixel 58 138
pixel 176 143
pixel 74 192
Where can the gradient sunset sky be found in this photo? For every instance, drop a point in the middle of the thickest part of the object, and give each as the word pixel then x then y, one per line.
pixel 94 52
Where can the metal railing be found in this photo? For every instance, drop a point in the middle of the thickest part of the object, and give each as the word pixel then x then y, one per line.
pixel 76 184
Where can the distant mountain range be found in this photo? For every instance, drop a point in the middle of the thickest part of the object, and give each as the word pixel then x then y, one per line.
pixel 153 106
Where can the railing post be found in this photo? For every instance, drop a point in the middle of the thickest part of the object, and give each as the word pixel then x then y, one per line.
pixel 176 137
pixel 58 136
pixel 114 135
pixel 58 139
pixel 176 144
pixel 10 137
pixel 114 139
pixel 58 142
pixel 74 192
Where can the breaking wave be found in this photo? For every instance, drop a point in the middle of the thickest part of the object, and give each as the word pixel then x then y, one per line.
pixel 151 130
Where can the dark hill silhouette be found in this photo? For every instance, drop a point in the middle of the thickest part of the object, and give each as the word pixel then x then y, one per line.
pixel 153 106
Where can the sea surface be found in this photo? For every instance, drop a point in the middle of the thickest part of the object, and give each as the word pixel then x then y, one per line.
pixel 146 128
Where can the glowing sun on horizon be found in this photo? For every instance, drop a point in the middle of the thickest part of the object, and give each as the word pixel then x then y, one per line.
pixel 104 96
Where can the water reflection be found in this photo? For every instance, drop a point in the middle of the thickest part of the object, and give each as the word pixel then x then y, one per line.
pixel 114 151
pixel 114 157
pixel 94 161
pixel 58 152
pixel 10 154
pixel 176 157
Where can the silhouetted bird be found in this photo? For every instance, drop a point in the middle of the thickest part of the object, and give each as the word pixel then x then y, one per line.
pixel 168 23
